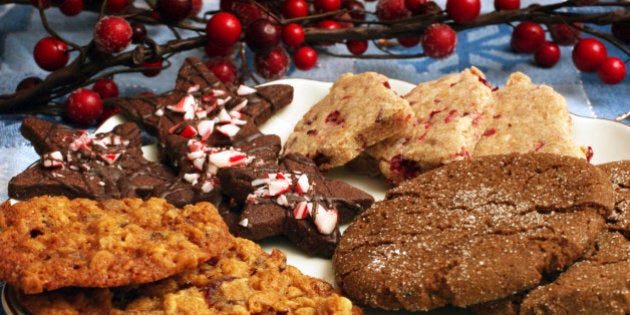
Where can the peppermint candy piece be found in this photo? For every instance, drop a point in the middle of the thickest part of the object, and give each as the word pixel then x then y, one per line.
pixel 325 219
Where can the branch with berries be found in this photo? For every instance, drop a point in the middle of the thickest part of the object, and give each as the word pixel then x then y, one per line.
pixel 277 33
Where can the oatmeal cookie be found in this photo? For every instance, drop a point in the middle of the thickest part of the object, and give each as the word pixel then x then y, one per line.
pixel 55 242
pixel 359 111
pixel 473 231
pixel 451 114
pixel 244 279
pixel 528 118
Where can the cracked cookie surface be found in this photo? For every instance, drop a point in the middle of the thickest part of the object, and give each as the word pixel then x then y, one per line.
pixel 54 242
pixel 473 231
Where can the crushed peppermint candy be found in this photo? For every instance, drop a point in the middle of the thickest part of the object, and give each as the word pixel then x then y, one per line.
pixel 245 90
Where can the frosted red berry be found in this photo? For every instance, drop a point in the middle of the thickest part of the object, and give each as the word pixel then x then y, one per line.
pixel 565 34
pixel 612 70
pixel 293 35
pixel 439 41
pixel 357 47
pixel 247 12
pixel 224 70
pixel 547 54
pixel 355 8
pixel 272 65
pixel 462 11
pixel 71 7
pixel 588 54
pixel 294 8
pixel 503 5
pixel 51 53
pixel 153 68
pixel 84 107
pixel 387 10
pixel 415 6
pixel 305 58
pixel 326 5
pixel 173 10
pixel 112 34
pixel 262 35
pixel 223 29
pixel 527 37
pixel 214 50
pixel 106 88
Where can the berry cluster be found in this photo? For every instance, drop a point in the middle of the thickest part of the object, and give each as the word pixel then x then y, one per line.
pixel 281 33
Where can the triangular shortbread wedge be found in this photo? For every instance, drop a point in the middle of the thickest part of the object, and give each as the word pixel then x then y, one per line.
pixel 451 114
pixel 359 111
pixel 529 118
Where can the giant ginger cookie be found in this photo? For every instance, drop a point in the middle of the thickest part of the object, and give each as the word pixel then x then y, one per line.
pixel 54 242
pixel 451 114
pixel 473 231
pixel 528 118
pixel 359 111
pixel 619 173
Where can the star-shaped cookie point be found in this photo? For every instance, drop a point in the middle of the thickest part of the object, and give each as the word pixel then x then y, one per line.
pixel 290 198
pixel 76 163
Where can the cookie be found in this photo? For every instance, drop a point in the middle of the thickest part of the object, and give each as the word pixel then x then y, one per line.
pixel 291 198
pixel 528 118
pixel 359 111
pixel 75 163
pixel 451 115
pixel 597 284
pixel 55 242
pixel 473 231
pixel 619 173
pixel 244 279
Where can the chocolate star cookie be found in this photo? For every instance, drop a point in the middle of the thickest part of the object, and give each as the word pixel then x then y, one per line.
pixel 290 198
pixel 76 163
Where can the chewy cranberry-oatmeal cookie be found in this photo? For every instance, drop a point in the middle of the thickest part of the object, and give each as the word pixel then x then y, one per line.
pixel 451 114
pixel 55 242
pixel 359 111
pixel 528 118
pixel 244 279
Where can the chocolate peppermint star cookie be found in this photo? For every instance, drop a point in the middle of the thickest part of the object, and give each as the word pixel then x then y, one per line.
pixel 76 163
pixel 291 198
pixel 202 126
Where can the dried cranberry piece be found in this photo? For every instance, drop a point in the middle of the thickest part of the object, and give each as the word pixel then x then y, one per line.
pixel 404 167
pixel 333 118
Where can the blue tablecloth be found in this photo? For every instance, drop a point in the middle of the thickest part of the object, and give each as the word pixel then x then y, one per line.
pixel 486 48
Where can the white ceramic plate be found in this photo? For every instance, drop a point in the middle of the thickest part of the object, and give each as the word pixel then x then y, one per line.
pixel 606 137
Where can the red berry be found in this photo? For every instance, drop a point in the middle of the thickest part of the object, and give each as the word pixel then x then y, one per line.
pixel 355 8
pixel 462 11
pixel 305 58
pixel 565 34
pixel 71 7
pixel 106 88
pixel 272 65
pixel 117 6
pixel 293 35
pixel 612 70
pixel 527 37
pixel 588 54
pixel 213 50
pixel 223 29
pixel 196 7
pixel 357 47
pixel 84 107
pixel 262 35
pixel 439 41
pixel 326 5
pixel 328 25
pixel 224 70
pixel 112 34
pixel 138 31
pixel 621 30
pixel 415 6
pixel 173 10
pixel 410 41
pixel 247 12
pixel 502 5
pixel 155 67
pixel 294 8
pixel 547 55
pixel 51 53
pixel 387 10
pixel 28 83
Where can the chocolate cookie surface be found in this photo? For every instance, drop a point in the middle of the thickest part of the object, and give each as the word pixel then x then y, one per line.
pixel 473 231
pixel 55 242
pixel 619 173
